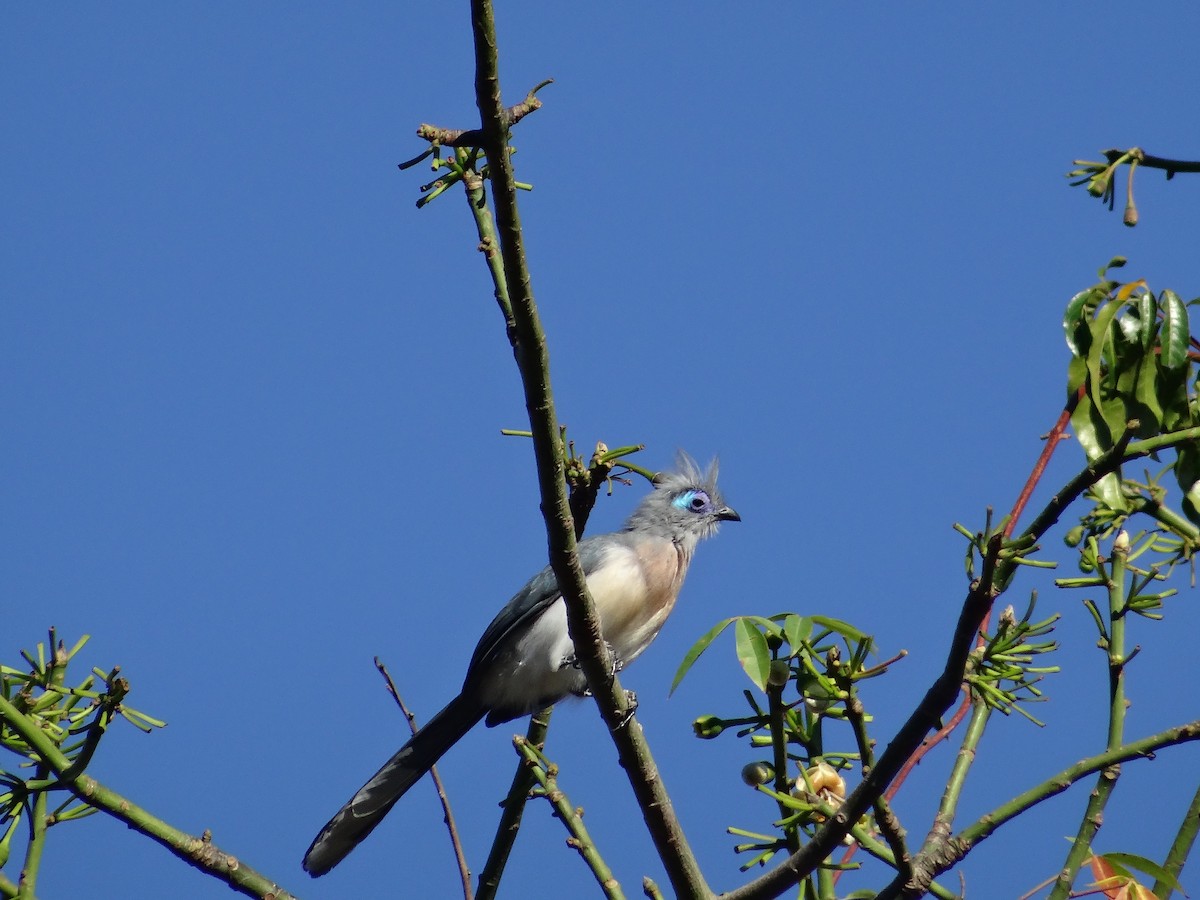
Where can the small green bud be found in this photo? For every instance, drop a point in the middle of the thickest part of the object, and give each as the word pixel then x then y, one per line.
pixel 1074 536
pixel 1088 557
pixel 757 773
pixel 779 674
pixel 708 727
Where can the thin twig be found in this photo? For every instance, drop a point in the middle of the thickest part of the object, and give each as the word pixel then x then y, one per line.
pixel 447 816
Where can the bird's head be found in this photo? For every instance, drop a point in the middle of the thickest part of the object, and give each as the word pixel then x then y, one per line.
pixel 685 505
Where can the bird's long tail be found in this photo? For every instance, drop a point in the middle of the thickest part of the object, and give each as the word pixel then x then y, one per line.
pixel 366 809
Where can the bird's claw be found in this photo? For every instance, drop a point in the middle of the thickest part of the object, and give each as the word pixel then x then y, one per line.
pixel 632 701
pixel 618 664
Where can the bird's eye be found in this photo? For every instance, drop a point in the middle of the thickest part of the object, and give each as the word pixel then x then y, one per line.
pixel 693 501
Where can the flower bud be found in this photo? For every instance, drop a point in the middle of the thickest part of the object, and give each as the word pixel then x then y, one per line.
pixel 757 773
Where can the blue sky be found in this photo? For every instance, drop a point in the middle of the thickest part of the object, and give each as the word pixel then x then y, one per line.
pixel 253 396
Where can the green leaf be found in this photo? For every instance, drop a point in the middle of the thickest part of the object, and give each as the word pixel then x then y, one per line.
pixel 1173 396
pixel 1076 375
pixel 1149 411
pixel 1117 262
pixel 845 629
pixel 1094 437
pixel 1078 338
pixel 1187 473
pixel 694 653
pixel 1147 311
pixel 1151 868
pixel 767 626
pixel 1095 356
pixel 797 630
pixel 1174 335
pixel 752 651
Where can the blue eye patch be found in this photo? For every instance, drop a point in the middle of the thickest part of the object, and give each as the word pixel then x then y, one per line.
pixel 695 501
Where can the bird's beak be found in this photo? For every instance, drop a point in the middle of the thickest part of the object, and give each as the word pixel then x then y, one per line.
pixel 725 514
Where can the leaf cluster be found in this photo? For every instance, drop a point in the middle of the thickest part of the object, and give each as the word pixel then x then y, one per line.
pixel 72 719
pixel 1132 363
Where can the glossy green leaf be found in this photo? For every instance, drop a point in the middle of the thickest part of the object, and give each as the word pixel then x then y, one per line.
pixel 1148 411
pixel 1174 335
pixel 1173 397
pixel 797 630
pixel 1094 437
pixel 1076 375
pixel 1117 262
pixel 1074 323
pixel 752 651
pixel 697 648
pixel 1089 426
pixel 1101 341
pixel 1147 310
pixel 1130 333
pixel 1187 474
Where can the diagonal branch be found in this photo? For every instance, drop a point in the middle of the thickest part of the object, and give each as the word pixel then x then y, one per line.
pixel 995 576
pixel 199 852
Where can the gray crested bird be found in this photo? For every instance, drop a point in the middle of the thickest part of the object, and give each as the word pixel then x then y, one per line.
pixel 525 660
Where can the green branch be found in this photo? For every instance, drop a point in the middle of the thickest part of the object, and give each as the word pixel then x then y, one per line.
pixel 1093 815
pixel 776 682
pixel 885 818
pixel 1145 748
pixel 941 694
pixel 546 775
pixel 199 852
pixel 514 808
pixel 1180 847
pixel 962 843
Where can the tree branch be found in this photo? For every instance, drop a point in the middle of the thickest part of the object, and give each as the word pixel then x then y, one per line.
pixel 199 852
pixel 533 361
pixel 994 578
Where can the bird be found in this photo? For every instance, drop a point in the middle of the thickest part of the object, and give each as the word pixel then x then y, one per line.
pixel 525 659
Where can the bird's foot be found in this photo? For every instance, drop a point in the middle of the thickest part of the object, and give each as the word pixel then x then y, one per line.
pixel 618 664
pixel 632 701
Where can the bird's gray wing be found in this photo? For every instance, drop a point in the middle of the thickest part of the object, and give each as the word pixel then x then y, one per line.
pixel 533 599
